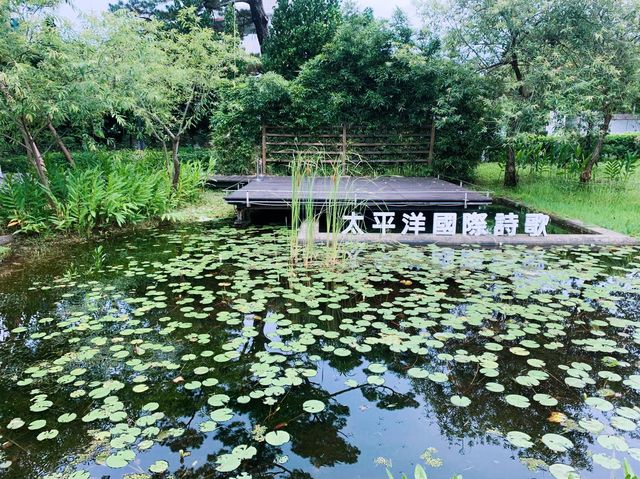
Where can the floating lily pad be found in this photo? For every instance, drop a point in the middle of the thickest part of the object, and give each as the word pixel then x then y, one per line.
pixel 562 471
pixel 517 400
pixel 313 406
pixel 277 438
pixel 556 442
pixel 460 401
pixel 519 439
pixel 159 467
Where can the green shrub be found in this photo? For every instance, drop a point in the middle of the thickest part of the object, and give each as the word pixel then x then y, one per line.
pixel 368 78
pixel 23 205
pixel 105 189
pixel 236 123
pixel 569 153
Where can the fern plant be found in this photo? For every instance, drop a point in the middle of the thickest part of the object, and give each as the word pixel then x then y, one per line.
pixel 104 190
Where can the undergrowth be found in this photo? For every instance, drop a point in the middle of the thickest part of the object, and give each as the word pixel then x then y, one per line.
pixel 104 190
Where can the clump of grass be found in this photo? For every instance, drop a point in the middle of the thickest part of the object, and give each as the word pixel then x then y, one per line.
pixel 305 170
pixel 209 206
pixel 4 252
pixel 610 204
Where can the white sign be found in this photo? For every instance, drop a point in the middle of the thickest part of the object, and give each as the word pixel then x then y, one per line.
pixel 444 224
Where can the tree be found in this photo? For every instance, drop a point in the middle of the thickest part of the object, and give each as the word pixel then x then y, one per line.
pixel 169 78
pixel 602 75
pixel 43 82
pixel 504 41
pixel 211 13
pixel 299 30
pixel 369 77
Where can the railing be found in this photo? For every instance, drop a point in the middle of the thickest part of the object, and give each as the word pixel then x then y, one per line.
pixel 343 144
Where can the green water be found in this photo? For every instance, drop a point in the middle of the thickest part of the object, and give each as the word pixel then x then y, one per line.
pixel 199 352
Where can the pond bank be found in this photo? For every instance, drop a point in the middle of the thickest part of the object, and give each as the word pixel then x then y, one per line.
pixel 612 205
pixel 208 207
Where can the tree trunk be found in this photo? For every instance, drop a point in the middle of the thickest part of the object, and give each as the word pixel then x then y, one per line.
pixel 260 20
pixel 515 66
pixel 33 153
pixel 510 175
pixel 585 176
pixel 432 140
pixel 175 144
pixel 61 145
pixel 510 170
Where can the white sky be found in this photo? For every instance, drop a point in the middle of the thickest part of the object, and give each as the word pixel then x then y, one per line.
pixel 381 8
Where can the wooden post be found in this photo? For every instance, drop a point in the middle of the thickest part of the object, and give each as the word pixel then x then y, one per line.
pixel 432 139
pixel 344 145
pixel 264 149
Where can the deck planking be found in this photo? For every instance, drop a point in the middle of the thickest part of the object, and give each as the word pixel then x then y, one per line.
pixel 389 192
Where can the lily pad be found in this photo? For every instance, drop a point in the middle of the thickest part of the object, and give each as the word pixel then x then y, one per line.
pixel 556 442
pixel 313 406
pixel 277 438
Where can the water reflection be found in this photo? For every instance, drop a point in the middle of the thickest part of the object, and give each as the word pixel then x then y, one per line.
pixel 137 348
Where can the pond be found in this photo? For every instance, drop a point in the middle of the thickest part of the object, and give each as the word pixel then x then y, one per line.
pixel 200 352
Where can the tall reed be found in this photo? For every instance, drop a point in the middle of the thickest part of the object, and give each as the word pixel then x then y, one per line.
pixel 305 210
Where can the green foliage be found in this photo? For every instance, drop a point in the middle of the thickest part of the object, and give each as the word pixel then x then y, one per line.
pixel 368 78
pixel 105 189
pixel 569 154
pixel 299 30
pixel 236 122
pixel 23 205
pixel 628 471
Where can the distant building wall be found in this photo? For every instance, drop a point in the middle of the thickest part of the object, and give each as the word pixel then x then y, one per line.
pixel 625 124
pixel 620 123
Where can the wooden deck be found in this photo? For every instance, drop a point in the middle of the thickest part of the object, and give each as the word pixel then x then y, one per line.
pixel 229 181
pixel 276 192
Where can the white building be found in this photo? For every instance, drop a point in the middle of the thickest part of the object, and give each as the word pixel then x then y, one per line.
pixel 620 123
pixel 624 123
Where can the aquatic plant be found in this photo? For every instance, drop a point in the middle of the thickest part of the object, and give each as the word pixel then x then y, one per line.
pixel 196 344
pixel 418 473
pixel 111 190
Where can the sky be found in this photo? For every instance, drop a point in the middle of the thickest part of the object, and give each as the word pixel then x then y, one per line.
pixel 381 8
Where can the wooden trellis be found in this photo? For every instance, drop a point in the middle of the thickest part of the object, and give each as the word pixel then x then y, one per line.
pixel 348 144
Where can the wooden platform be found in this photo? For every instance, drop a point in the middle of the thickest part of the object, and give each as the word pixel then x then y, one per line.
pixel 229 181
pixel 276 192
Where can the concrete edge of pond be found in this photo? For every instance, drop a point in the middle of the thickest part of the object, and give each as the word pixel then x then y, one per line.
pixel 589 235
pixel 570 223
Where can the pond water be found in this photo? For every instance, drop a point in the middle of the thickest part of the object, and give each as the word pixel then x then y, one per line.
pixel 199 352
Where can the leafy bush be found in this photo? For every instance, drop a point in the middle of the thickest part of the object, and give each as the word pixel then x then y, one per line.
pixel 568 154
pixel 105 189
pixel 23 205
pixel 369 78
pixel 236 123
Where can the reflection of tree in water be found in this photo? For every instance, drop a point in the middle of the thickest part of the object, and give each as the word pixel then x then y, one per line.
pixel 318 438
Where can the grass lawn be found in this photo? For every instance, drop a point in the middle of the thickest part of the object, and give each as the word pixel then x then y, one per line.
pixel 613 205
pixel 210 206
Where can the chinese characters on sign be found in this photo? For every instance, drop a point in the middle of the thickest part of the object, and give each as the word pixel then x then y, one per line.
pixel 444 224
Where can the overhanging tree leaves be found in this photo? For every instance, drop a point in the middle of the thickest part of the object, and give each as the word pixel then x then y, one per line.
pixel 600 74
pixel 299 30
pixel 174 75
